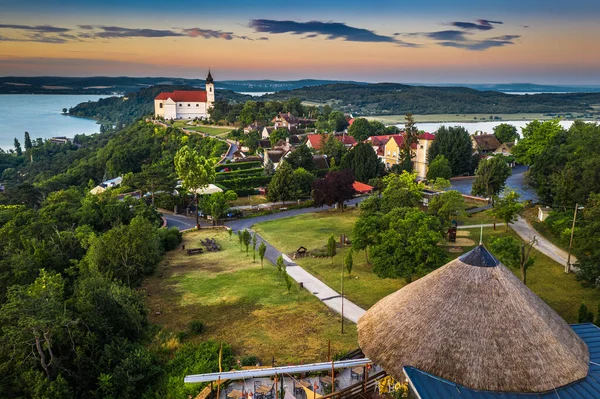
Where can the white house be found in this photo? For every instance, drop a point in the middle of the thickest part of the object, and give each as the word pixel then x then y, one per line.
pixel 186 104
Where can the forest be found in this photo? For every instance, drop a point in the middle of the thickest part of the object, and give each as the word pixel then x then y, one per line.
pixel 73 318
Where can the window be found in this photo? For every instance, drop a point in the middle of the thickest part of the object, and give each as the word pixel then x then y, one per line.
pixel 180 105
pixel 197 105
pixel 388 153
pixel 210 89
pixel 189 105
pixel 160 105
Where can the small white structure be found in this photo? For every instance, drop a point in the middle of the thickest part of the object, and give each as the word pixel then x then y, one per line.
pixel 210 189
pixel 543 213
pixel 186 104
pixel 105 185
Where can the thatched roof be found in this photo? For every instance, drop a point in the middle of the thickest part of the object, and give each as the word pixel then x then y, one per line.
pixel 475 323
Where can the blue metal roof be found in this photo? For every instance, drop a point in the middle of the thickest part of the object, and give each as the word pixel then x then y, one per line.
pixel 429 386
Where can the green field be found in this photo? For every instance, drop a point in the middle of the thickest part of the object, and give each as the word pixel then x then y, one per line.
pixel 546 278
pixel 242 304
pixel 209 130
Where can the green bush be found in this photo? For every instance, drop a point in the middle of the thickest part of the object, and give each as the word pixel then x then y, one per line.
pixel 319 253
pixel 169 238
pixel 182 336
pixel 197 327
pixel 249 361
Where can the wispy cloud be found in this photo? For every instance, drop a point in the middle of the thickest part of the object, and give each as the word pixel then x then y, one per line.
pixel 481 45
pixel 480 24
pixel 330 30
pixel 36 28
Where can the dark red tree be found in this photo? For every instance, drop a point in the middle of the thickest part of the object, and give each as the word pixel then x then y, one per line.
pixel 334 188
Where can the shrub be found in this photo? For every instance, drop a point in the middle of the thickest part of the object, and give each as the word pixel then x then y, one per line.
pixel 197 327
pixel 249 361
pixel 319 252
pixel 169 238
pixel 182 336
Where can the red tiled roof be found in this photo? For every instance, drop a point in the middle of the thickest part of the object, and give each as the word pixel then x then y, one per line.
pixel 486 142
pixel 427 136
pixel 350 122
pixel 399 139
pixel 362 188
pixel 347 140
pixel 315 141
pixel 193 96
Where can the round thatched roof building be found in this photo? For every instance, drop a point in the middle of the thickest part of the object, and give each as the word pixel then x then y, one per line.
pixel 473 322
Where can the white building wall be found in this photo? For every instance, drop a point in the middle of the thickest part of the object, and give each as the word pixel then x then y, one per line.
pixel 191 110
pixel 170 111
pixel 158 110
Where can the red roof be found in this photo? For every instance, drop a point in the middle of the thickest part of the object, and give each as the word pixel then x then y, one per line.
pixel 350 121
pixel 427 136
pixel 399 139
pixel 347 140
pixel 179 96
pixel 315 141
pixel 362 188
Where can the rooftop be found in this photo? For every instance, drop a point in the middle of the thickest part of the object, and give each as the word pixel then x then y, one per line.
pixel 183 96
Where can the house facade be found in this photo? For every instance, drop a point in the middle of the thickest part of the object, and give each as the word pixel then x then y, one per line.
pixel 393 150
pixel 485 144
pixel 186 104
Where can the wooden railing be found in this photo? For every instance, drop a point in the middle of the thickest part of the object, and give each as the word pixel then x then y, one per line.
pixel 360 389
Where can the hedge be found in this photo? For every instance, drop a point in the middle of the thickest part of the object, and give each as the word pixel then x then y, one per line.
pixel 239 165
pixel 239 173
pixel 246 182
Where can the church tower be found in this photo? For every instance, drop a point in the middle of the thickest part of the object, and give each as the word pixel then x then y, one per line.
pixel 210 90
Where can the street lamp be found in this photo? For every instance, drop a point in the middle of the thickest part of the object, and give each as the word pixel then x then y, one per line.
pixel 568 265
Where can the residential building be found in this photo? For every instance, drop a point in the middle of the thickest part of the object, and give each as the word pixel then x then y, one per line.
pixel 105 185
pixel 186 104
pixel 315 141
pixel 254 127
pixel 485 144
pixel 505 149
pixel 60 140
pixel 285 120
pixel 393 151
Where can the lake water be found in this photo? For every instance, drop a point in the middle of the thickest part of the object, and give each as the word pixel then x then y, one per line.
pixel 41 116
pixel 472 127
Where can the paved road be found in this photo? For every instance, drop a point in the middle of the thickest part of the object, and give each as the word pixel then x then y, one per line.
pixel 516 181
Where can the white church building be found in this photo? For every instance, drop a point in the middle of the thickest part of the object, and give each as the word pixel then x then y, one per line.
pixel 186 104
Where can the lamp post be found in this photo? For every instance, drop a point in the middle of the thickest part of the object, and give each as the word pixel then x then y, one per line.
pixel 568 265
pixel 342 296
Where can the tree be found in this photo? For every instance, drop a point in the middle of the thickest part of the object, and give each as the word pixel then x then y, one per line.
pixel 337 121
pixel 349 262
pixel 490 177
pixel 196 172
pixel 365 233
pixel 411 136
pixel 401 190
pixel 360 129
pixel 302 181
pixel 278 134
pixel 230 232
pixel 584 315
pixel 331 248
pixel 27 142
pixel 217 204
pixel 506 133
pixel 513 254
pixel 254 246
pixel 18 149
pixel 447 205
pixel 34 318
pixel 269 168
pixel 455 144
pixel 64 110
pixel 335 188
pixel 154 177
pixel 301 157
pixel 536 138
pixel 508 207
pixel 282 187
pixel 287 280
pixel 363 162
pixel 262 249
pixel 409 246
pixel 439 167
pixel 333 148
pixel 280 264
pixel 586 245
pixel 440 184
pixel 246 238
pixel 126 252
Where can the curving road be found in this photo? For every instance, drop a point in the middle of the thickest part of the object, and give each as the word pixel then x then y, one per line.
pixel 516 182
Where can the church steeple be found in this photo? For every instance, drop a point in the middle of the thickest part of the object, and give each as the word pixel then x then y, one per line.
pixel 209 78
pixel 210 90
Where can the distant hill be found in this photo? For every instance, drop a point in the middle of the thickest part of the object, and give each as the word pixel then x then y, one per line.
pixel 398 99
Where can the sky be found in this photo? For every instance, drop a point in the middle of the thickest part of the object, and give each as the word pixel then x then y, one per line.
pixel 427 41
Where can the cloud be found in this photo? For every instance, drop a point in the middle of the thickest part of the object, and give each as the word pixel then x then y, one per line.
pixel 36 28
pixel 481 45
pixel 454 35
pixel 210 34
pixel 109 32
pixel 331 31
pixel 481 24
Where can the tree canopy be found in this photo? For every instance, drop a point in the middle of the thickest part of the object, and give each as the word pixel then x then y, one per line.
pixel 490 177
pixel 454 143
pixel 334 188
pixel 506 133
pixel 363 162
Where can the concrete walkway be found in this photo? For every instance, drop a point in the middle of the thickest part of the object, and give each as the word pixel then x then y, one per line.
pixel 526 232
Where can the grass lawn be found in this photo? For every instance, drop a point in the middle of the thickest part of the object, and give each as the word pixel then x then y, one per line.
pixel 242 304
pixel 209 130
pixel 484 217
pixel 250 200
pixel 312 231
pixel 546 277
